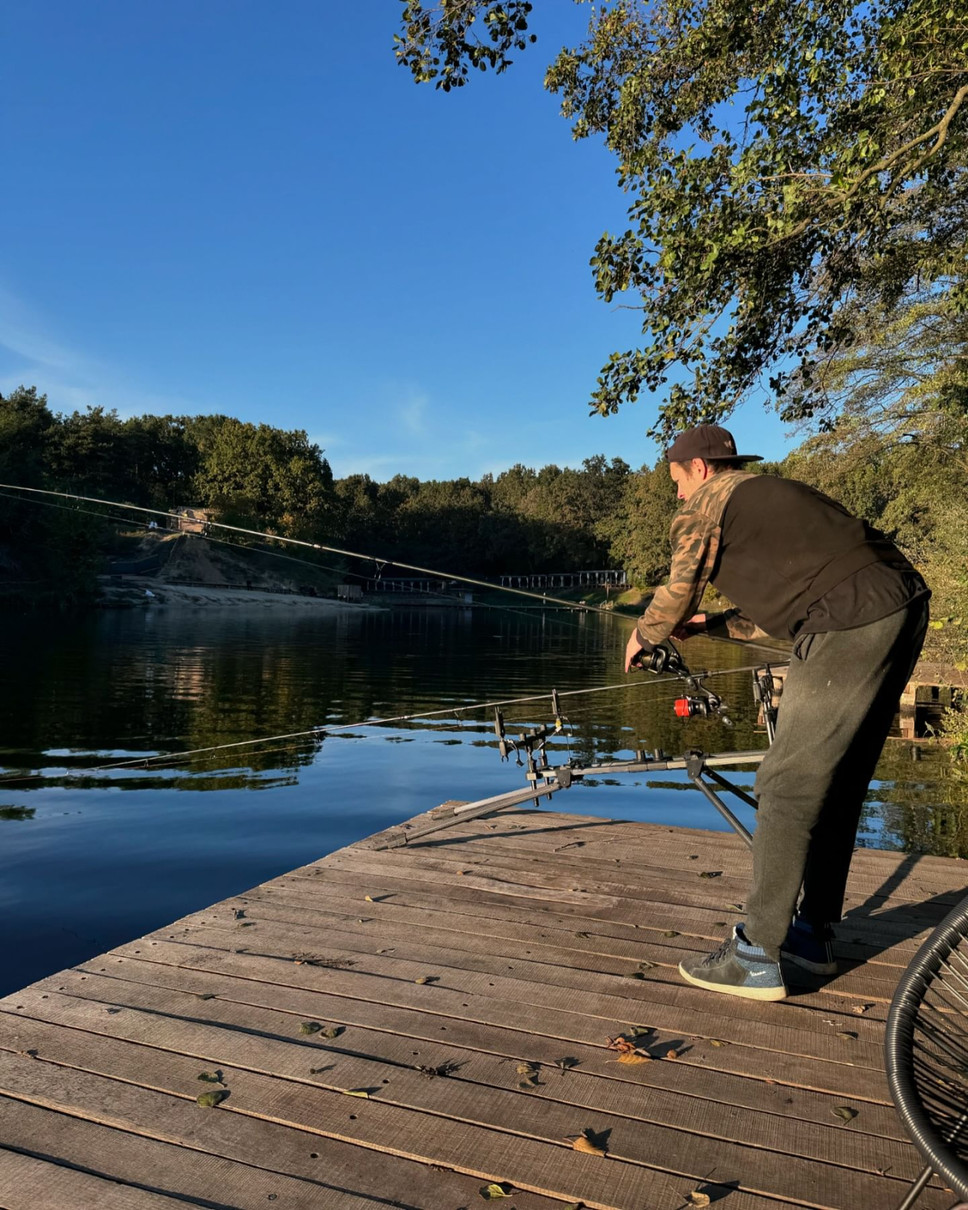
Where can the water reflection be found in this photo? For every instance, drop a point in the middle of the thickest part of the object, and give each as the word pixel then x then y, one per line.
pixel 91 856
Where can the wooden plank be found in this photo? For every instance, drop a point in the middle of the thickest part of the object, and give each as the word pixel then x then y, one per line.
pixel 571 877
pixel 507 1029
pixel 641 860
pixel 706 926
pixel 667 848
pixel 572 947
pixel 402 1037
pixel 245 1061
pixel 878 925
pixel 48 1119
pixel 789 1025
pixel 552 1170
pixel 607 839
pixel 30 1183
pixel 477 950
pixel 500 1001
pixel 686 1098
pixel 346 1170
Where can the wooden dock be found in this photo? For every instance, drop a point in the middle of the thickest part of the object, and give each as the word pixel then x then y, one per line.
pixel 496 1007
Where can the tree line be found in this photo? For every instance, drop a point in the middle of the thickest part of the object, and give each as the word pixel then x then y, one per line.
pixel 910 484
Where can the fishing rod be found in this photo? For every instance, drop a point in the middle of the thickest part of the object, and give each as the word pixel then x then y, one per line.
pixel 666 657
pixel 379 560
pixel 159 761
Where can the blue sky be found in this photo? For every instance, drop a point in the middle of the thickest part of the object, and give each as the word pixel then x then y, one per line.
pixel 227 206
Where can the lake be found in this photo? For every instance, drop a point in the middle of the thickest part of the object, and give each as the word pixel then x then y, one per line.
pixel 90 857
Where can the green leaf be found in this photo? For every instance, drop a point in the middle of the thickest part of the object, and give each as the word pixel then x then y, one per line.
pixel 310 1027
pixel 844 1112
pixel 496 1190
pixel 208 1100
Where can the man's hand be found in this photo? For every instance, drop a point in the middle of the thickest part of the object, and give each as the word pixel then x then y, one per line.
pixel 634 649
pixel 697 624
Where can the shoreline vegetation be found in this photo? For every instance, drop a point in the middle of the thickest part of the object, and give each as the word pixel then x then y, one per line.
pixel 66 553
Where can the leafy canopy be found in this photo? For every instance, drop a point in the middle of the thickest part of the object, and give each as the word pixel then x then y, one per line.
pixel 782 158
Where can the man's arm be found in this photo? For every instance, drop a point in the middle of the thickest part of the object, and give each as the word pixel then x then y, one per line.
pixel 734 624
pixel 695 546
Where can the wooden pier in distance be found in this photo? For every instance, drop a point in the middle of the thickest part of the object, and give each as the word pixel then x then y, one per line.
pixel 496 1009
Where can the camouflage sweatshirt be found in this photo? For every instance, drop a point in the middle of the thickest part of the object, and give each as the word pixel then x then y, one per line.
pixel 695 536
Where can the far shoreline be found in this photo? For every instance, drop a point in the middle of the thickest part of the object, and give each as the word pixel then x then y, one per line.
pixel 145 594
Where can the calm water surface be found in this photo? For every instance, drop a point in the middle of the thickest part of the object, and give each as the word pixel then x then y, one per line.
pixel 91 858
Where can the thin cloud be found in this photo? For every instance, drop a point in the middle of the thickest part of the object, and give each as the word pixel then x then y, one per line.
pixel 72 381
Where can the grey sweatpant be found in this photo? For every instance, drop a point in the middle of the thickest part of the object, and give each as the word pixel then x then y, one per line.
pixel 838 701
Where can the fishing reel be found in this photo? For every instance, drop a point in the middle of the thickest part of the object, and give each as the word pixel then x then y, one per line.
pixel 661 659
pixel 699 702
pixel 699 707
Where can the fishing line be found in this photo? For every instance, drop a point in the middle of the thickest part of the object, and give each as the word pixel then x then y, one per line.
pixel 544 598
pixel 352 554
pixel 320 732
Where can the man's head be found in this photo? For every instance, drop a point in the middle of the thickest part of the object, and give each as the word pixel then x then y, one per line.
pixel 701 452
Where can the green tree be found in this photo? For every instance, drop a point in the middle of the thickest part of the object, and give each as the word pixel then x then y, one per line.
pixel 779 157
pixel 638 530
pixel 263 476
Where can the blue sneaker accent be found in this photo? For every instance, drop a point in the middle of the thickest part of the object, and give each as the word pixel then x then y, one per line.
pixel 810 946
pixel 737 968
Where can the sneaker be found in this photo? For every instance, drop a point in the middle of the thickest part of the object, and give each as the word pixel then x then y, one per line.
pixel 737 968
pixel 810 946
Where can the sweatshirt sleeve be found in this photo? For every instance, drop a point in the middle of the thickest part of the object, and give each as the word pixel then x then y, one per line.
pixel 695 538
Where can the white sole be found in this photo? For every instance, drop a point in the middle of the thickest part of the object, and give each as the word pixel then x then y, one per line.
pixel 748 993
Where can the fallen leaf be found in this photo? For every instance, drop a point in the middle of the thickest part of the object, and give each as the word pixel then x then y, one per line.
pixel 206 995
pixel 332 1031
pixel 240 914
pixel 583 934
pixel 636 975
pixel 208 1100
pixel 356 1092
pixel 591 1142
pixel 310 1027
pixel 845 1033
pixel 634 1056
pixel 672 1054
pixel 527 1069
pixel 711 874
pixel 647 966
pixel 497 1189
pixel 427 979
pixel 717 1042
pixel 859 1009
pixel 670 933
pixel 844 1112
pixel 735 907
pixel 211 1077
pixel 566 1064
pixel 697 1199
pixel 369 899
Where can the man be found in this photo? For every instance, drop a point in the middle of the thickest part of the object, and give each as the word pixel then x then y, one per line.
pixel 797 566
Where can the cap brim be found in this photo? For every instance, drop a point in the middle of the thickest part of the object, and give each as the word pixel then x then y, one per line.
pixel 734 458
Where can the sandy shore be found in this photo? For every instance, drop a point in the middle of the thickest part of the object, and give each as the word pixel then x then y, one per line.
pixel 155 595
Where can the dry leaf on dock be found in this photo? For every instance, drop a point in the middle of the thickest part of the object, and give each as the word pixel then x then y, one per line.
pixel 497 1189
pixel 591 1142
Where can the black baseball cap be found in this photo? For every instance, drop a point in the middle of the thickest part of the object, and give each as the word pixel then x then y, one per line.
pixel 709 442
